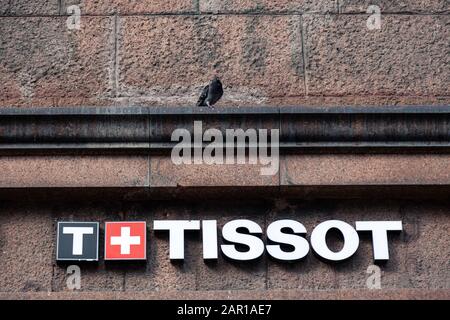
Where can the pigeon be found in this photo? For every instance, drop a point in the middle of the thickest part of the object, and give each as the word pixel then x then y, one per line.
pixel 211 93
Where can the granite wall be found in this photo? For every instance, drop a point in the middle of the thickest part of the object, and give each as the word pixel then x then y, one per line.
pixel 419 256
pixel 267 52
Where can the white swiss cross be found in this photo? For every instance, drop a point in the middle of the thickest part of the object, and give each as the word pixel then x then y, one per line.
pixel 125 241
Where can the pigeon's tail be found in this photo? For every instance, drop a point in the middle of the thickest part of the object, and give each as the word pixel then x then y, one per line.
pixel 201 103
pixel 202 99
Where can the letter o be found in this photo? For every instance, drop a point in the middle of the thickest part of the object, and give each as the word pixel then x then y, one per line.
pixel 319 240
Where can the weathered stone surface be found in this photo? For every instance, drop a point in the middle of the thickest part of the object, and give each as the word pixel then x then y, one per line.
pixel 359 169
pixel 425 252
pixel 159 273
pixel 232 275
pixel 95 276
pixel 306 274
pixel 25 7
pixel 257 6
pixel 406 56
pixel 26 248
pixel 4 7
pixel 42 58
pixel 396 294
pixel 18 101
pixel 429 6
pixel 259 58
pixel 369 101
pixel 418 255
pixel 171 58
pixel 166 101
pixel 9 87
pixel 132 6
pixel 164 173
pixel 78 171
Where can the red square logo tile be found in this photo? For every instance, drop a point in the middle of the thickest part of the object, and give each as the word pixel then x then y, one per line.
pixel 125 240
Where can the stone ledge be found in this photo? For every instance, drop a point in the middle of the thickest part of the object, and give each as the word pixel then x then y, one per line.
pixel 320 148
pixel 397 294
pixel 315 129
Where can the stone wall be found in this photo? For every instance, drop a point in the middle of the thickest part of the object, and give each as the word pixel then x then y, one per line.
pixel 419 256
pixel 275 52
pixel 267 53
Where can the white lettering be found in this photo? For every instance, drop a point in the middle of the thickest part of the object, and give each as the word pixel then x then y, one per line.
pixel 255 244
pixel 379 231
pixel 78 233
pixel 319 242
pixel 176 230
pixel 275 233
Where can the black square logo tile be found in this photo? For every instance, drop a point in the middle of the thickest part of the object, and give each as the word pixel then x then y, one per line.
pixel 77 241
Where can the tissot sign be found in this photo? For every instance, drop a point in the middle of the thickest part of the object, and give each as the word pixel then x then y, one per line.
pixel 127 240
